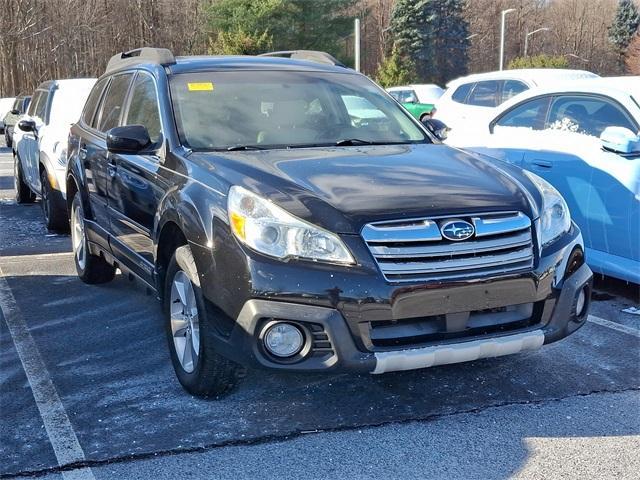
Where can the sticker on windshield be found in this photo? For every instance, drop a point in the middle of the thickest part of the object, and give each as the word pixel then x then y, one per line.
pixel 200 87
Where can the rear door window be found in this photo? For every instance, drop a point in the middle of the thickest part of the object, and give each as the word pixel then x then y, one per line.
pixel 511 88
pixel 114 101
pixel 89 111
pixel 484 94
pixel 462 92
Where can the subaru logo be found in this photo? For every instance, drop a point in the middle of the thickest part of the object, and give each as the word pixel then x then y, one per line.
pixel 456 230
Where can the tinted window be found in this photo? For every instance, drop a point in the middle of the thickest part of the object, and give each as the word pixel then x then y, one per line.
pixel 460 95
pixel 588 115
pixel 89 111
pixel 41 108
pixel 143 108
pixel 25 104
pixel 511 88
pixel 34 103
pixel 529 114
pixel 113 102
pixel 484 94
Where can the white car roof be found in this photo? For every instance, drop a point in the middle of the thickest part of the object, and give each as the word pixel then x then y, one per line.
pixel 532 76
pixel 69 100
pixel 620 88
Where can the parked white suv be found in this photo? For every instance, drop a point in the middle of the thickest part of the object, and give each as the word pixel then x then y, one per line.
pixel 472 99
pixel 40 146
pixel 5 107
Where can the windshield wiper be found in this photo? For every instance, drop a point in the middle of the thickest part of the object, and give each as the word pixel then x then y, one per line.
pixel 245 147
pixel 353 141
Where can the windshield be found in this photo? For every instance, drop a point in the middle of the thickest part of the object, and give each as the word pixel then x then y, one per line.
pixel 286 109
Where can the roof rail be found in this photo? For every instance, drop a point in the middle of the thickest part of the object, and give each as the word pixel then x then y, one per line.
pixel 310 55
pixel 160 56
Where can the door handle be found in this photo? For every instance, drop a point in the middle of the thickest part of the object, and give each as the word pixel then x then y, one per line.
pixel 544 164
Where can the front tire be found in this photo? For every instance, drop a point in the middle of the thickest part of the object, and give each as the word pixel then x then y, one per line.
pixel 23 192
pixel 91 268
pixel 190 334
pixel 53 206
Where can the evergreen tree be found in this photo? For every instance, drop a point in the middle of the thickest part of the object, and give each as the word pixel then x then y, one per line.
pixel 395 70
pixel 250 26
pixel 539 61
pixel 433 33
pixel 624 26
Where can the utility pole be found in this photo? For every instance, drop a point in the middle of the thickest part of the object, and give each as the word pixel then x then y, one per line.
pixel 504 14
pixel 356 41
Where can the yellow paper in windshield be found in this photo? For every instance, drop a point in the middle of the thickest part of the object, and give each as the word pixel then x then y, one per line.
pixel 200 87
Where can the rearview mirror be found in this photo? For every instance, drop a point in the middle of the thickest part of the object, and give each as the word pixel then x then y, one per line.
pixel 27 125
pixel 620 140
pixel 129 139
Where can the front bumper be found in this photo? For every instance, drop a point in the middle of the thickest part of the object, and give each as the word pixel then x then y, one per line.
pixel 342 332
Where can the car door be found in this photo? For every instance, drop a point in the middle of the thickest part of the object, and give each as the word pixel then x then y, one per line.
pixel 510 135
pixel 28 148
pixel 135 187
pixel 598 185
pixel 93 147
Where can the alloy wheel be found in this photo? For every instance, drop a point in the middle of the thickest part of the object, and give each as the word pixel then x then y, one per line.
pixel 185 326
pixel 77 237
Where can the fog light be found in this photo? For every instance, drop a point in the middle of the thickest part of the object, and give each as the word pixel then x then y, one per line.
pixel 580 302
pixel 283 340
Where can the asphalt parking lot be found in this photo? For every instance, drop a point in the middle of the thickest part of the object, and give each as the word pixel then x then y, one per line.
pixel 88 391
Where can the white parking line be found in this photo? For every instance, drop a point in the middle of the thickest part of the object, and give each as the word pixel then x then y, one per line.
pixel 37 256
pixel 61 434
pixel 614 326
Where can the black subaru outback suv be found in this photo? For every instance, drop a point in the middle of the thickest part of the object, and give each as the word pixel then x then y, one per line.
pixel 291 215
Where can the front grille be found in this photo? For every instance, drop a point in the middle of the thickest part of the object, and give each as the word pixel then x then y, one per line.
pixel 415 250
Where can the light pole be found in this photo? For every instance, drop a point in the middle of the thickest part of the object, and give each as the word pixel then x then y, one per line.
pixel 356 41
pixel 504 14
pixel 526 37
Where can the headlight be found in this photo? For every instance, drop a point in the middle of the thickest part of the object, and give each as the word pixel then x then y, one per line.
pixel 273 231
pixel 555 218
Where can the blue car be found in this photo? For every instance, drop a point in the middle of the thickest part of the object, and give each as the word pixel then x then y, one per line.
pixel 582 138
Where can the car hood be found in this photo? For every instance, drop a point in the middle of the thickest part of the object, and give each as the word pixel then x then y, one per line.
pixel 343 188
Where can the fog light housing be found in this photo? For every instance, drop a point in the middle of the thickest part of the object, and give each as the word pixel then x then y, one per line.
pixel 283 340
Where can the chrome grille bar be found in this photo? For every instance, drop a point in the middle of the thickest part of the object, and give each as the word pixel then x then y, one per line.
pixel 415 250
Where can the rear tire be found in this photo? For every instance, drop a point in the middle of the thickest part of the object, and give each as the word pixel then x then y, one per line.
pixel 190 333
pixel 54 207
pixel 23 192
pixel 91 268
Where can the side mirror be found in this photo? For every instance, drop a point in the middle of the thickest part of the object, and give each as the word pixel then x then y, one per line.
pixel 15 111
pixel 620 140
pixel 129 139
pixel 27 125
pixel 411 99
pixel 437 127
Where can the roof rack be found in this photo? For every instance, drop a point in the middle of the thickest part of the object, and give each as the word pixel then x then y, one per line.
pixel 160 56
pixel 310 55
